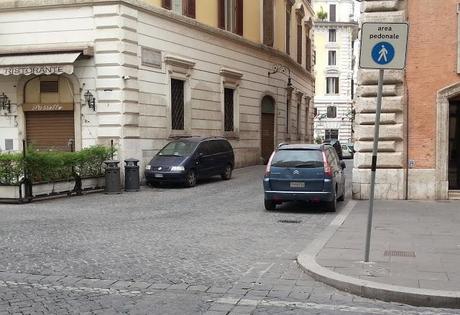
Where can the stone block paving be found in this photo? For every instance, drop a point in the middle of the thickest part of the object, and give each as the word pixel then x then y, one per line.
pixel 414 244
pixel 211 249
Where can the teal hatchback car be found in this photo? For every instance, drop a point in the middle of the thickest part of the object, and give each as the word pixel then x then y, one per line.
pixel 304 172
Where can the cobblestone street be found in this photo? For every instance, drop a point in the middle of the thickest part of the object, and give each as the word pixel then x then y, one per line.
pixel 210 249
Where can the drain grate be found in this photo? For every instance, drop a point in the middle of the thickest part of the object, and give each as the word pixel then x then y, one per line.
pixel 399 253
pixel 289 221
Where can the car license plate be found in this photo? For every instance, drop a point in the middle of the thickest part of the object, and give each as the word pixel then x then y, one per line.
pixel 158 175
pixel 297 185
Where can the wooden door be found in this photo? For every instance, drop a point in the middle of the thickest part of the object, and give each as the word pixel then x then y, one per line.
pixel 268 135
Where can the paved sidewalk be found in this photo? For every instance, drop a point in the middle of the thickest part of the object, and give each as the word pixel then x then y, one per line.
pixel 415 250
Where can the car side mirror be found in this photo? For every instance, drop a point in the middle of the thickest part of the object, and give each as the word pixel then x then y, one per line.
pixel 343 165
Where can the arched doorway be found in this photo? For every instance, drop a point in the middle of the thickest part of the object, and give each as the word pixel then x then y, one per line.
pixel 49 113
pixel 268 127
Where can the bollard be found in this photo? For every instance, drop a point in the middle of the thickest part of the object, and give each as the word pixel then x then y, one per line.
pixel 112 177
pixel 131 175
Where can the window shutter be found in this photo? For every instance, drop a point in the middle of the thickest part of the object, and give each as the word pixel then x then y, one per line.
pixel 268 19
pixel 239 17
pixel 221 14
pixel 190 8
pixel 166 4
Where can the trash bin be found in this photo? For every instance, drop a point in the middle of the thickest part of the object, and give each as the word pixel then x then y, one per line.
pixel 112 177
pixel 131 175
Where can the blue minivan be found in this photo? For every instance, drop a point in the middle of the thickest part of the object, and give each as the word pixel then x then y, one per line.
pixel 304 172
pixel 186 160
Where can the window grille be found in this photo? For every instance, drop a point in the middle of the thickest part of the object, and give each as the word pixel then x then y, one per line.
pixel 228 109
pixel 177 104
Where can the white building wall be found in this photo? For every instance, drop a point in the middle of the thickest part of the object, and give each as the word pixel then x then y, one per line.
pixel 346 30
pixel 134 112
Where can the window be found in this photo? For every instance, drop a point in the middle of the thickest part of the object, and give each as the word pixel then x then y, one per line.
pixel 332 60
pixel 48 86
pixel 308 54
pixel 177 104
pixel 331 134
pixel 268 20
pixel 299 43
pixel 332 12
pixel 230 15
pixel 308 57
pixel 228 109
pixel 332 85
pixel 332 35
pixel 183 7
pixel 288 27
pixel 331 112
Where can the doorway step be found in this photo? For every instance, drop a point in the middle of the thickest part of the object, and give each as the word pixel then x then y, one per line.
pixel 454 194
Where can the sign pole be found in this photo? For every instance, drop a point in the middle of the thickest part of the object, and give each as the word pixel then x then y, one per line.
pixel 374 163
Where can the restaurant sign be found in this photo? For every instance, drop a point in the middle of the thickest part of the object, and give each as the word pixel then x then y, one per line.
pixel 30 107
pixel 36 69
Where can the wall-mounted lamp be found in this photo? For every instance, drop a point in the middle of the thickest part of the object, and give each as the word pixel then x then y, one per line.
pixel 90 100
pixel 5 103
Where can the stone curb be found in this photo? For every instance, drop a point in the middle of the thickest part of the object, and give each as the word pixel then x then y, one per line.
pixel 365 288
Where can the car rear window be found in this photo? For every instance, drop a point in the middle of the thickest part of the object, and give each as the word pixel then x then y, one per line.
pixel 298 158
pixel 178 148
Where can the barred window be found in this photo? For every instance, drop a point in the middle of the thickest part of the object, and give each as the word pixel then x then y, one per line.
pixel 228 109
pixel 177 104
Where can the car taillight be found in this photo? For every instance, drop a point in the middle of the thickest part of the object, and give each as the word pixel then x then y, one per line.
pixel 269 164
pixel 327 166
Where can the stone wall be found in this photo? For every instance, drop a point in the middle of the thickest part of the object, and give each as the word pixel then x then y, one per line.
pixel 391 170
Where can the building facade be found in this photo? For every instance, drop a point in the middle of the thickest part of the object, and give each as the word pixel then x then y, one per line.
pixel 140 73
pixel 335 35
pixel 419 141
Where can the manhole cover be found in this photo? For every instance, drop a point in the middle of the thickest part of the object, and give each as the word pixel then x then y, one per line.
pixel 289 221
pixel 399 253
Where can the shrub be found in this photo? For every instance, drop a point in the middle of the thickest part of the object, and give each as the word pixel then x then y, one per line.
pixel 11 168
pixel 52 166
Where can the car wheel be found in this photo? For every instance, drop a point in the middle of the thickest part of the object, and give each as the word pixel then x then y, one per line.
pixel 228 172
pixel 332 205
pixel 269 204
pixel 190 178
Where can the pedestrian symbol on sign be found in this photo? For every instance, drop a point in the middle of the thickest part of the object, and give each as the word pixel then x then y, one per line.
pixel 383 53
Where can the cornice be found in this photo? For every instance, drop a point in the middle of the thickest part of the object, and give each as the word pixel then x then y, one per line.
pixel 336 24
pixel 17 5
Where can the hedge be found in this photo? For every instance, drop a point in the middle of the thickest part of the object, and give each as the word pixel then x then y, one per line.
pixel 52 166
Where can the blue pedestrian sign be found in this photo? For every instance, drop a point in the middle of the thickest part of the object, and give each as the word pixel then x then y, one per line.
pixel 383 53
pixel 383 46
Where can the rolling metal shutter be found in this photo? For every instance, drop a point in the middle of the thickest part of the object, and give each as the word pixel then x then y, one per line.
pixel 50 129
